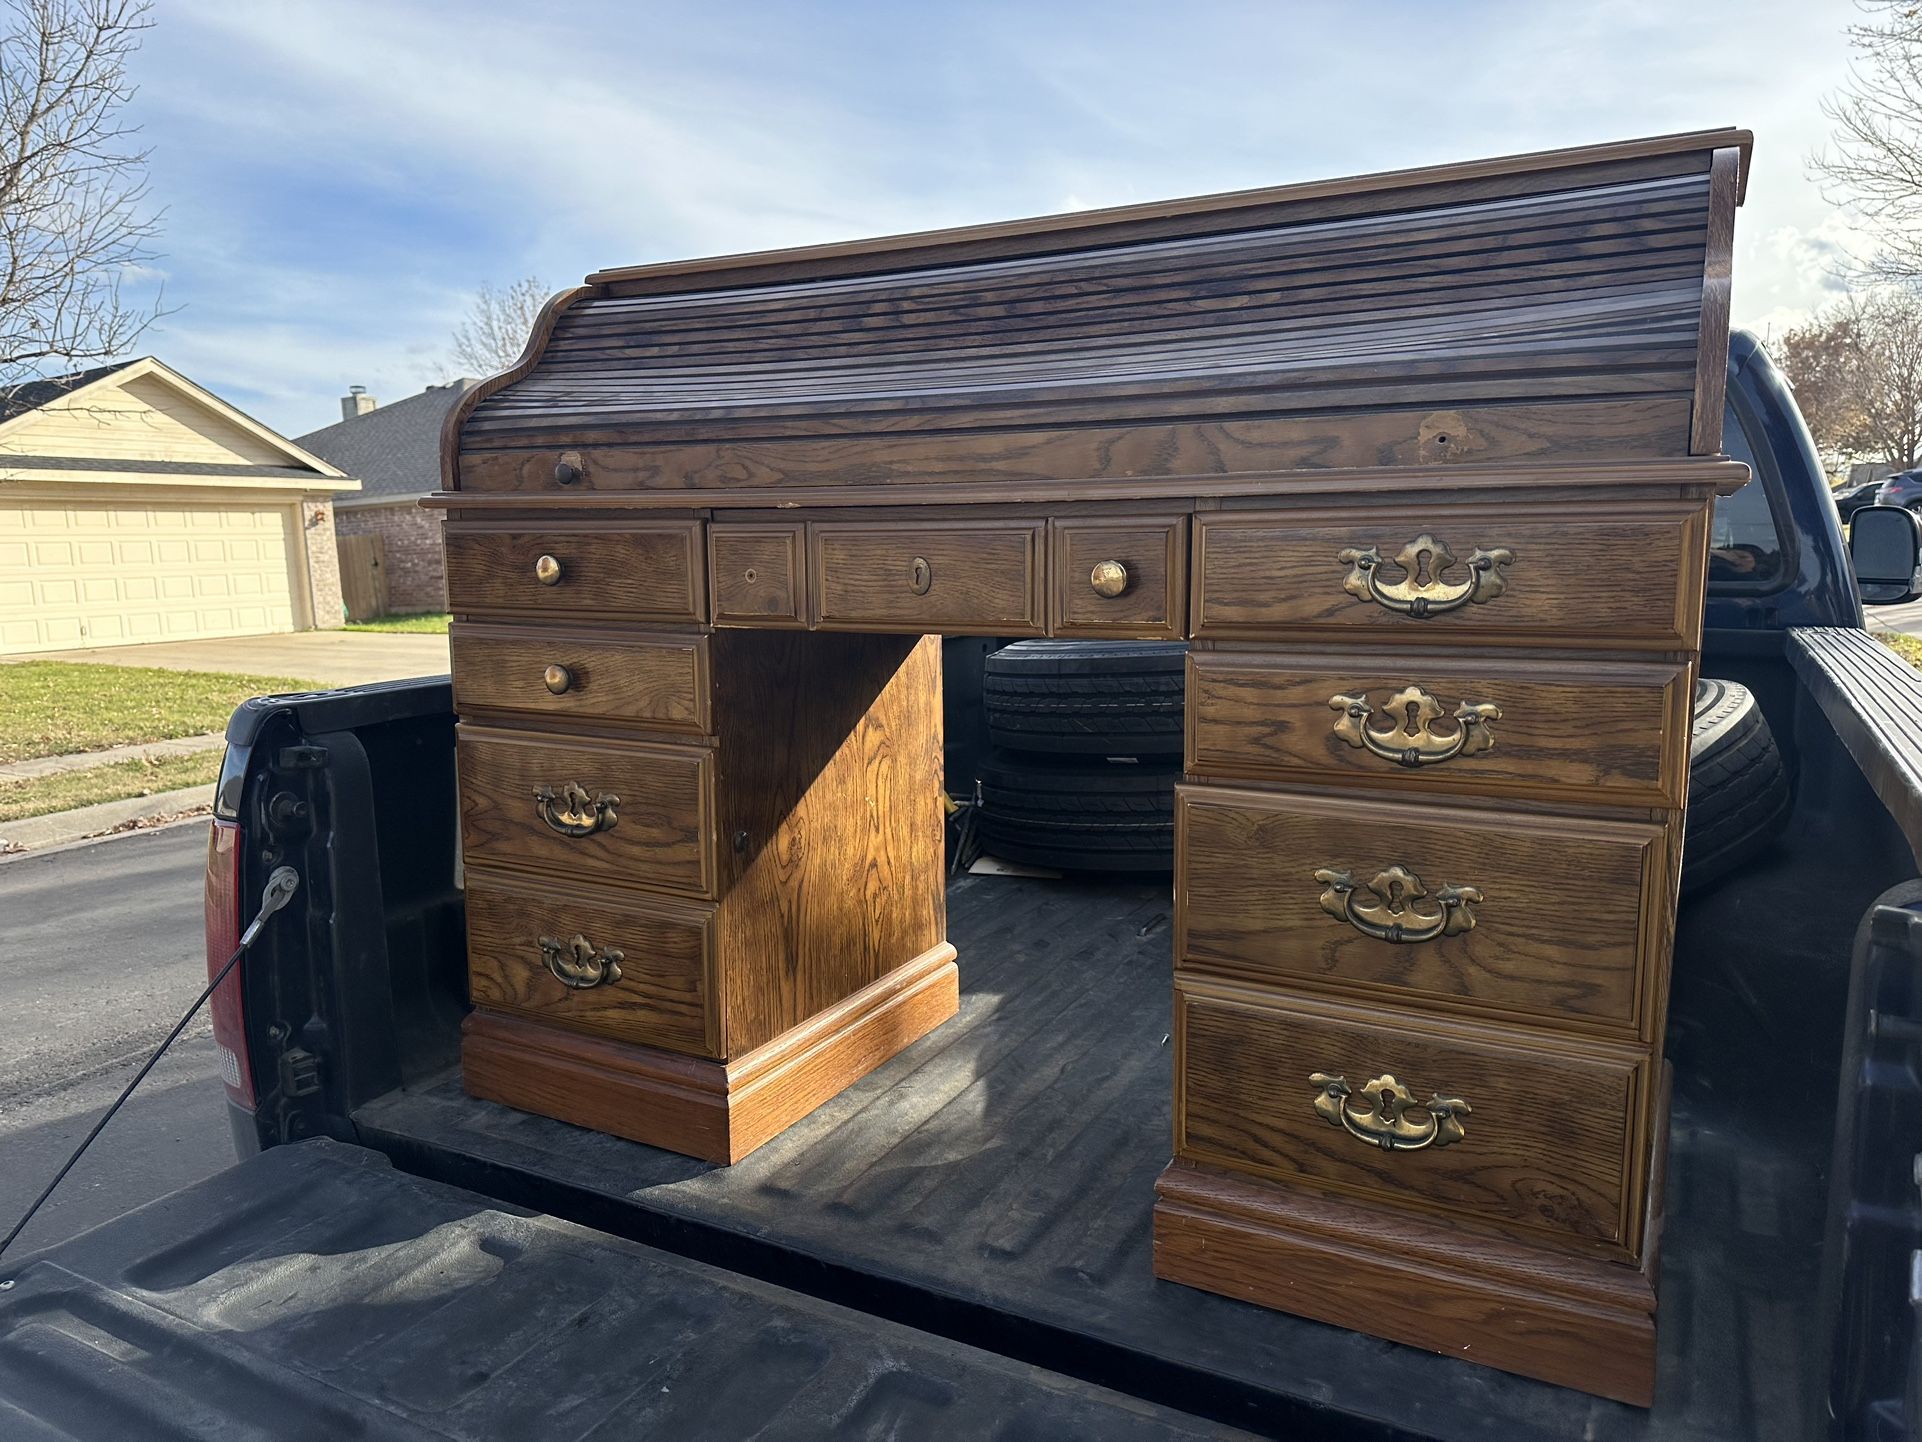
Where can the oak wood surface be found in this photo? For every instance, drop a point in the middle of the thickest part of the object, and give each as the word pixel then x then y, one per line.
pixel 662 836
pixel 1552 1141
pixel 1625 575
pixel 667 984
pixel 1568 909
pixel 759 574
pixel 980 578
pixel 653 680
pixel 626 571
pixel 1586 730
pixel 828 764
pixel 1154 553
pixel 1711 347
pixel 1420 1281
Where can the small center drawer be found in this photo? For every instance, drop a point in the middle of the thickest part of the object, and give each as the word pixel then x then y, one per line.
pixel 631 968
pixel 927 576
pixel 655 681
pixel 1121 576
pixel 650 571
pixel 1624 574
pixel 1501 911
pixel 615 810
pixel 1543 1139
pixel 1604 730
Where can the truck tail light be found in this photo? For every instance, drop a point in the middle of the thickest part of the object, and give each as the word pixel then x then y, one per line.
pixel 224 921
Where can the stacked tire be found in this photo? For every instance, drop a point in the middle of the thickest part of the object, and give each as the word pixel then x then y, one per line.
pixel 1087 750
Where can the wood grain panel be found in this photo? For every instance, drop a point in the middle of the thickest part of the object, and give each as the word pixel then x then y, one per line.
pixel 760 575
pixel 1549 1145
pixel 1623 574
pixel 1154 552
pixel 828 765
pixel 981 579
pixel 1592 731
pixel 665 993
pixel 662 836
pixel 657 681
pixel 1569 906
pixel 651 571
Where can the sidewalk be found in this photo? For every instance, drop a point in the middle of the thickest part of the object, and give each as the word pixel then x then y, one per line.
pixel 35 767
pixel 331 658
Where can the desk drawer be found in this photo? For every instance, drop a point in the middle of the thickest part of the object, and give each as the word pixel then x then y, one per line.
pixel 1120 577
pixel 1499 911
pixel 610 810
pixel 1596 730
pixel 1621 574
pixel 640 970
pixel 1545 1139
pixel 658 681
pixel 927 576
pixel 642 572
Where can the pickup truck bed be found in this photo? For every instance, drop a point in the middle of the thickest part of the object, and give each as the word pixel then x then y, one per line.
pixel 314 1292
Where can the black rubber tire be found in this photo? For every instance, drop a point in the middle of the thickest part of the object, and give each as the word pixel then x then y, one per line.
pixel 1738 787
pixel 1081 815
pixel 1088 698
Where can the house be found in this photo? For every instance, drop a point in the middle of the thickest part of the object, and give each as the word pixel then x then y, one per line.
pixel 394 452
pixel 136 505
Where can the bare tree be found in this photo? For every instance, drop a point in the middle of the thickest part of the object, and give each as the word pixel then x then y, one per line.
pixel 1857 373
pixel 1874 167
pixel 497 327
pixel 74 218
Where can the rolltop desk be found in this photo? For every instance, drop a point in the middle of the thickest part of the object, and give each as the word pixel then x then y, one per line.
pixel 1420 463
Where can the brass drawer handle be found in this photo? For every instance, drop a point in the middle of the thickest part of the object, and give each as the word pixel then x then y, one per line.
pixel 574 813
pixel 557 679
pixel 920 576
pixel 547 570
pixel 579 964
pixel 1386 908
pixel 1384 1123
pixel 1412 740
pixel 1421 592
pixel 1109 578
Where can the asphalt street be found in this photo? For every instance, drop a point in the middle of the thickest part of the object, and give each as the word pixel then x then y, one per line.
pixel 100 951
pixel 1907 618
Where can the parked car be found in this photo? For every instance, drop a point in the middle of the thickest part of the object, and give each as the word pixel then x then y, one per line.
pixel 1902 489
pixel 939 1247
pixel 1850 499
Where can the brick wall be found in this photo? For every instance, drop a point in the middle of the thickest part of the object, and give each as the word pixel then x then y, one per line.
pixel 323 563
pixel 416 571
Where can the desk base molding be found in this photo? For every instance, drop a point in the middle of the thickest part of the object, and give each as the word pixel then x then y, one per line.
pixel 716 1111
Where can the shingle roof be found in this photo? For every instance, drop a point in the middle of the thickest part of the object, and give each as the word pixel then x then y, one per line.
pixel 24 396
pixel 393 450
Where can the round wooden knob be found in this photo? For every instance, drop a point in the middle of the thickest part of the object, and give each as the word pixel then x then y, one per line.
pixel 557 679
pixel 566 473
pixel 1109 578
pixel 547 570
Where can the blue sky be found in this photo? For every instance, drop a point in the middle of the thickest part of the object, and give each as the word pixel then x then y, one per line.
pixel 340 177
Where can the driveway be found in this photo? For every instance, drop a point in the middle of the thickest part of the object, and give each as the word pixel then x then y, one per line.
pixel 332 658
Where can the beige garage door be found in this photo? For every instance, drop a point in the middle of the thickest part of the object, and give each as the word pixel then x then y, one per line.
pixel 97 574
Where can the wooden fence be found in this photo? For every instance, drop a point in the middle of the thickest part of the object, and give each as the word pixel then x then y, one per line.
pixel 363 576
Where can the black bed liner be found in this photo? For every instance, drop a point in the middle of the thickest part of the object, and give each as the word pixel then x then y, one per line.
pixel 314 1292
pixel 994 1184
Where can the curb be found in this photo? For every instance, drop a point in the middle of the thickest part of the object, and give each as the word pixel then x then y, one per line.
pixel 89 822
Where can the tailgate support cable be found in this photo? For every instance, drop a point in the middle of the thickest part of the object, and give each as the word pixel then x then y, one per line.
pixel 280 889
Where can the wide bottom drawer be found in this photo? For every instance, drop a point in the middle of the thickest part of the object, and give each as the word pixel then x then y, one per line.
pixel 1535 1134
pixel 640 970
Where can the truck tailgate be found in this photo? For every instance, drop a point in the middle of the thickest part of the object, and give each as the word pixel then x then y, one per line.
pixel 315 1292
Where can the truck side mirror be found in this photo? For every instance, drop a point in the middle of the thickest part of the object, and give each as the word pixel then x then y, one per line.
pixel 1885 550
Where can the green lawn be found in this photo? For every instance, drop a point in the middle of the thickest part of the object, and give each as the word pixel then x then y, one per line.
pixel 1909 648
pixel 115 781
pixel 432 623
pixel 55 708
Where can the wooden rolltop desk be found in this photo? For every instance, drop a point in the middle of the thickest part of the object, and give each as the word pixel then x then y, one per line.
pixel 1420 463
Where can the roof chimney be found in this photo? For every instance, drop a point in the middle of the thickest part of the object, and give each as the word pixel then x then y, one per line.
pixel 356 403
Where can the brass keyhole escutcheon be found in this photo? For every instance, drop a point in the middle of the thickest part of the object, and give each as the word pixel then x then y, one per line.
pixel 547 570
pixel 1109 578
pixel 557 679
pixel 920 576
